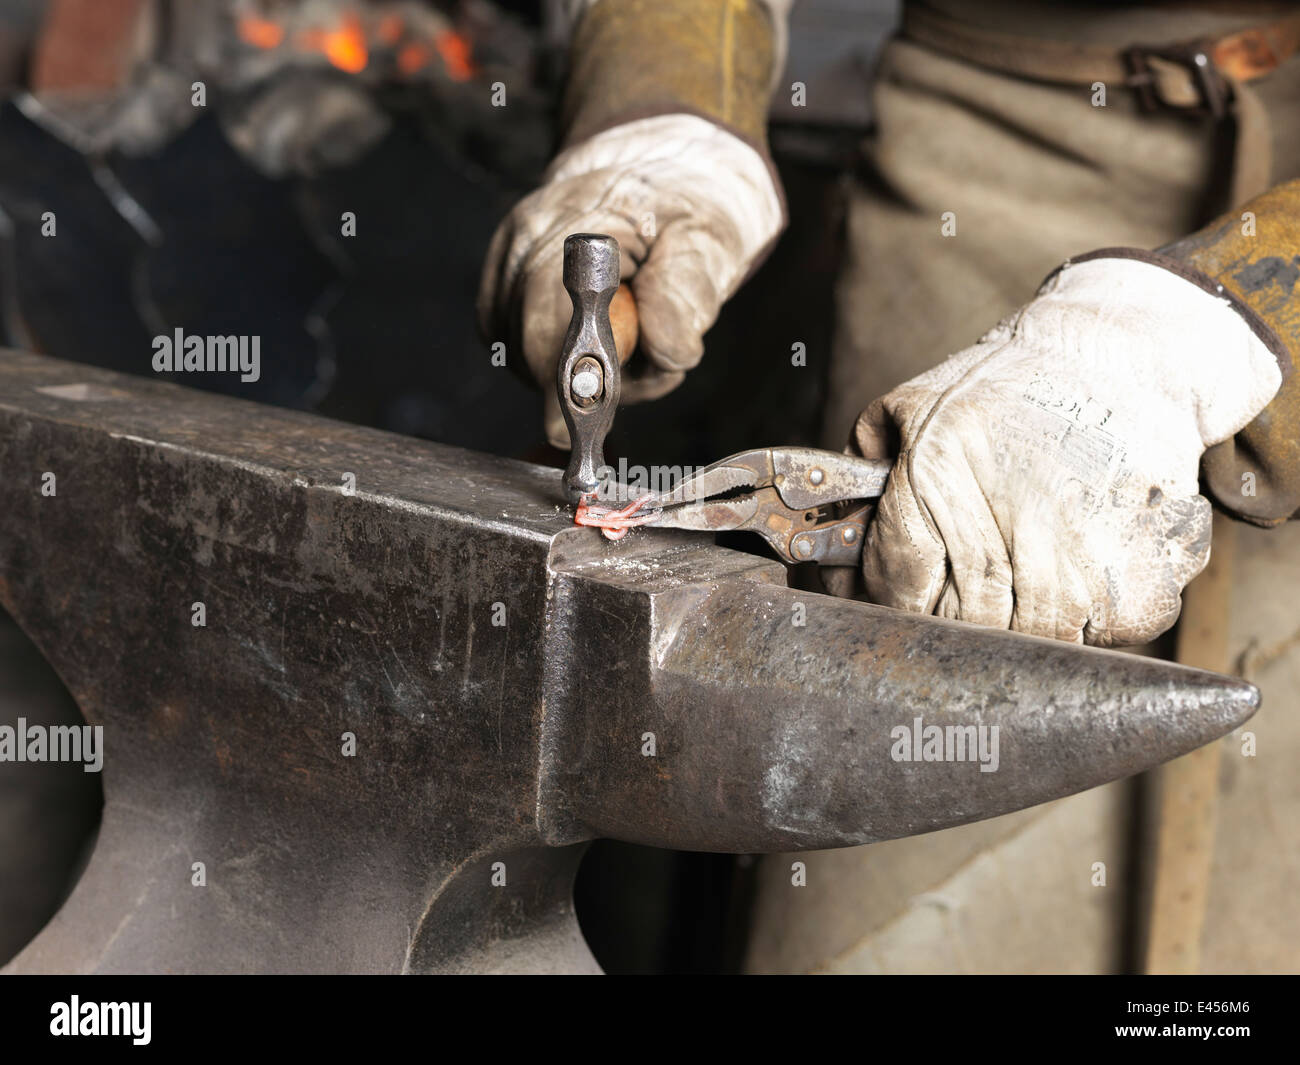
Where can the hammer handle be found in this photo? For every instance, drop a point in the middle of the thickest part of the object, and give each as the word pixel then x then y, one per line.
pixel 625 322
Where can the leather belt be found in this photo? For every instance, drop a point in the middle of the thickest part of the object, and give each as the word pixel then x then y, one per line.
pixel 1194 76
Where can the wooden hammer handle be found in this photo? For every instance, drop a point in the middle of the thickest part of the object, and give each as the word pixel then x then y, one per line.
pixel 624 322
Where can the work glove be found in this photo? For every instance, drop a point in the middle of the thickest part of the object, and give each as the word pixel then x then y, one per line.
pixel 693 208
pixel 1046 478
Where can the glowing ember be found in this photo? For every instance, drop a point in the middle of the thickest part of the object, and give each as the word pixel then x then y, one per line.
pixel 391 28
pixel 346 43
pixel 345 47
pixel 455 52
pixel 412 58
pixel 260 32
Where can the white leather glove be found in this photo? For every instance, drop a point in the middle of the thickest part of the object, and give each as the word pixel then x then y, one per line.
pixel 1047 478
pixel 692 206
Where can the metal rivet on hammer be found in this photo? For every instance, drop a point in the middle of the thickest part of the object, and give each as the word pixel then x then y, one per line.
pixel 587 381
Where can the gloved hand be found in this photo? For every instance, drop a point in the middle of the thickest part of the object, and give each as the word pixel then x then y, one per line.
pixel 692 206
pixel 1047 477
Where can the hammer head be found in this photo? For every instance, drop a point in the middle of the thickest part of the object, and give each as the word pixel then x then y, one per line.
pixel 587 379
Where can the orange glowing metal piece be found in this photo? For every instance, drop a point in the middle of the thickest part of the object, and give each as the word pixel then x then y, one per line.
pixel 260 32
pixel 455 51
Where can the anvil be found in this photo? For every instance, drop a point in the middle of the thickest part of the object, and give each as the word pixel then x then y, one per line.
pixel 365 698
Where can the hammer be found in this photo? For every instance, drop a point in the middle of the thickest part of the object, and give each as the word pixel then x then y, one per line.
pixel 601 336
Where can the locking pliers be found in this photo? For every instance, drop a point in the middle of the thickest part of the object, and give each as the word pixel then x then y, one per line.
pixel 809 505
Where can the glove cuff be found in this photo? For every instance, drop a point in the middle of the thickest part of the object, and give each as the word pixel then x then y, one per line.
pixel 634 59
pixel 1253 255
pixel 1252 252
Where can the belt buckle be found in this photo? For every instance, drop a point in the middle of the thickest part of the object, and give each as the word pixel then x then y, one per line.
pixel 1213 89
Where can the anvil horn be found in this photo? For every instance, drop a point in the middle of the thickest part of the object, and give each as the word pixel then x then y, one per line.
pixel 784 720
